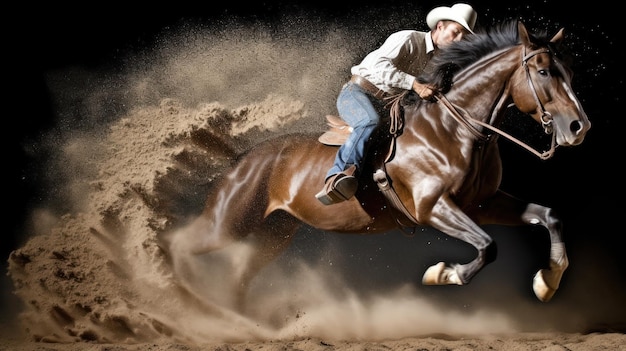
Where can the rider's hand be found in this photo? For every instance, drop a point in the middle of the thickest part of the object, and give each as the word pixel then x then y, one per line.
pixel 424 91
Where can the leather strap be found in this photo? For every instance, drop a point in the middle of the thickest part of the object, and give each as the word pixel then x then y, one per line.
pixel 368 86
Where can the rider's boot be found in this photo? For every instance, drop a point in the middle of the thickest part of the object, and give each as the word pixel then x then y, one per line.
pixel 339 187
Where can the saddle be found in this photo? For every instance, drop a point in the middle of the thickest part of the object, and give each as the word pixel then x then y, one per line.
pixel 338 132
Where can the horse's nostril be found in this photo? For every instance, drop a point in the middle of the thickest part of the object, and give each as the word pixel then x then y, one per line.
pixel 575 126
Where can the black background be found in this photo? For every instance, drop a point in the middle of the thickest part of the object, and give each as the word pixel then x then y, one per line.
pixel 584 183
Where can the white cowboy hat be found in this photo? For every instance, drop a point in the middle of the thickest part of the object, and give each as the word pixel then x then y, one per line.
pixel 464 14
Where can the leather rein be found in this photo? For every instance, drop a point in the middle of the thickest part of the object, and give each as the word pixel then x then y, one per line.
pixel 463 117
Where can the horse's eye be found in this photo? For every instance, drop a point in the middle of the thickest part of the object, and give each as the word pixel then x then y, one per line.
pixel 543 72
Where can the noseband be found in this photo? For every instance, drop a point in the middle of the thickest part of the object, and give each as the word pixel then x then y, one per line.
pixel 546 117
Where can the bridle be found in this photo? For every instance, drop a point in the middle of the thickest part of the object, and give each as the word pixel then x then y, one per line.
pixel 546 118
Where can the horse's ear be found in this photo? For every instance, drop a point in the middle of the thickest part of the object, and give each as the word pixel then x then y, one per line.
pixel 523 33
pixel 558 37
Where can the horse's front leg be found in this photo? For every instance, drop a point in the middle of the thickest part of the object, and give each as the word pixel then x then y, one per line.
pixel 447 217
pixel 547 280
pixel 503 209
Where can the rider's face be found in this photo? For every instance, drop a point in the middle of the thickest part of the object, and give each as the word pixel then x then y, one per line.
pixel 449 31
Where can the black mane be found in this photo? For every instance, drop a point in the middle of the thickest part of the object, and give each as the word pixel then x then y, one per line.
pixel 461 54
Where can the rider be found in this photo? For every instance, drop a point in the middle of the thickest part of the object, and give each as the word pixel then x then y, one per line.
pixel 385 71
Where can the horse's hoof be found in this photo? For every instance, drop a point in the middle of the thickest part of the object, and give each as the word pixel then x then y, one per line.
pixel 432 276
pixel 543 292
pixel 439 274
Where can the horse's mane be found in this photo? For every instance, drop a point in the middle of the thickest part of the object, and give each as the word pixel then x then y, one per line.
pixel 460 54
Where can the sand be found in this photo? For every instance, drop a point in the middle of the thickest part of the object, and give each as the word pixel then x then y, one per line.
pixel 150 143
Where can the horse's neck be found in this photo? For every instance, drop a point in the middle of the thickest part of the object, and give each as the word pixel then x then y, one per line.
pixel 479 92
pixel 481 89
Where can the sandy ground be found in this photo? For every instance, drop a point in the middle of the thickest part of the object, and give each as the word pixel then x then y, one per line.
pixel 92 276
pixel 514 342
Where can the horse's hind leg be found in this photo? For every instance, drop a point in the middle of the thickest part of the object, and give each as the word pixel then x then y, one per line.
pixel 216 257
pixel 199 254
pixel 269 240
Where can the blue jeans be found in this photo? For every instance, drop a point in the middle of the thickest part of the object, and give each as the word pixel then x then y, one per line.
pixel 356 108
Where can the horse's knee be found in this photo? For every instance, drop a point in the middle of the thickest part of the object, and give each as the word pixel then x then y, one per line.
pixel 541 215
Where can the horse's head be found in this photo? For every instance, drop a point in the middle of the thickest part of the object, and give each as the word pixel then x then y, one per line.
pixel 542 88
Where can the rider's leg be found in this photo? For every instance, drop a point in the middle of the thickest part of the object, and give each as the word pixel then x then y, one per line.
pixel 356 108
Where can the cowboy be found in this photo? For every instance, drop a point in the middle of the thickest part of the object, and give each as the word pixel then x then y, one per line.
pixel 387 71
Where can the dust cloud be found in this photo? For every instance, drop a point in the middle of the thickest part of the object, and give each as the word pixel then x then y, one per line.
pixel 136 150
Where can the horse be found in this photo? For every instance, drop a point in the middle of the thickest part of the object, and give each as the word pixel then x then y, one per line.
pixel 441 169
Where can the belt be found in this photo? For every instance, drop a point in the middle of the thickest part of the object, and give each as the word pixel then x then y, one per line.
pixel 368 87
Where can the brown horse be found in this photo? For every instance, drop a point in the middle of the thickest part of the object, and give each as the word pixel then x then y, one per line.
pixel 443 168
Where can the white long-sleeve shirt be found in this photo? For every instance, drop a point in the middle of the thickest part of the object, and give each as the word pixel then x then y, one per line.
pixel 396 63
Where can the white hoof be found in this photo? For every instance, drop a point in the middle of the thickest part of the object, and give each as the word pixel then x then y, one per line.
pixel 439 274
pixel 543 292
